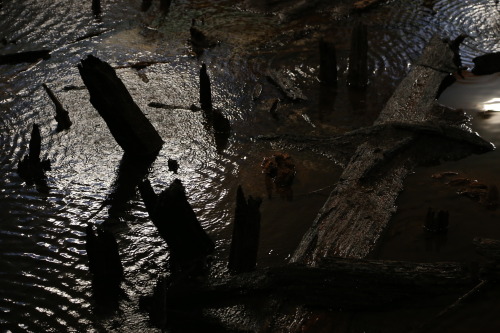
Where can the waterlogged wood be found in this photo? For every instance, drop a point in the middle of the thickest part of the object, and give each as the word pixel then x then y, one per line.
pixel 489 248
pixel 21 57
pixel 360 207
pixel 246 230
pixel 327 63
pixel 357 76
pixel 62 116
pixel 178 225
pixel 364 4
pixel 349 284
pixel 128 125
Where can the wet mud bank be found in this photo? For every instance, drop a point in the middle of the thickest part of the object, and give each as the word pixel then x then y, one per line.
pixel 276 122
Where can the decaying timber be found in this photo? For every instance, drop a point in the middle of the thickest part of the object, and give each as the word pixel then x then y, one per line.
pixel 246 230
pixel 62 116
pixel 358 57
pixel 360 207
pixel 349 284
pixel 31 168
pixel 327 63
pixel 129 126
pixel 27 56
pixel 178 225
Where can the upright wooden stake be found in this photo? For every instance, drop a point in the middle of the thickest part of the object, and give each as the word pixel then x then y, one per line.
pixel 327 63
pixel 358 59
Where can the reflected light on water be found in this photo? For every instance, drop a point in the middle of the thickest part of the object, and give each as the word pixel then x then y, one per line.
pixel 492 104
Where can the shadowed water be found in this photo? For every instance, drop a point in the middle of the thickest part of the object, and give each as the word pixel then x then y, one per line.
pixel 44 275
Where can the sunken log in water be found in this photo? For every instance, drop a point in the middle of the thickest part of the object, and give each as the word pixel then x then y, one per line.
pixel 486 64
pixel 31 168
pixel 178 225
pixel 21 57
pixel 327 63
pixel 358 57
pixel 348 284
pixel 215 120
pixel 62 116
pixel 246 229
pixel 129 126
pixel 104 264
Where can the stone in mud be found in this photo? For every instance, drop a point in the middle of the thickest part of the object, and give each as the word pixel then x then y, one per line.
pixel 486 64
pixel 246 229
pixel 128 125
pixel 62 116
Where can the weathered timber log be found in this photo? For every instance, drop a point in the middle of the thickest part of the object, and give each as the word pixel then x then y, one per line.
pixel 20 57
pixel 489 248
pixel 96 8
pixel 62 116
pixel 178 225
pixel 104 264
pixel 215 120
pixel 145 5
pixel 327 63
pixel 349 284
pixel 31 168
pixel 128 125
pixel 205 90
pixel 486 64
pixel 364 4
pixel 357 76
pixel 165 5
pixel 246 230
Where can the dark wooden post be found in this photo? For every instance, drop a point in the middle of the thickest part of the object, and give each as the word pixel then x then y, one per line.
pixel 96 7
pixel 129 126
pixel 165 5
pixel 327 63
pixel 62 116
pixel 31 168
pixel 205 90
pixel 178 225
pixel 246 230
pixel 358 58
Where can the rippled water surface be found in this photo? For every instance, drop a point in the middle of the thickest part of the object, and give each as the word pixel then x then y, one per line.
pixel 44 277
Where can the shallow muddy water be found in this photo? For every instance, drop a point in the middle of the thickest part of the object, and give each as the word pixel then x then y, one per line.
pixel 44 276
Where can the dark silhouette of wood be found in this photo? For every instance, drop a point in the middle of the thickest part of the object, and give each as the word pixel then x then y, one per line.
pixel 146 4
pixel 62 116
pixel 349 284
pixel 104 264
pixel 205 90
pixel 173 165
pixel 128 125
pixel 486 64
pixel 96 8
pixel 327 63
pixel 178 225
pixel 165 5
pixel 21 57
pixel 246 230
pixel 31 168
pixel 358 57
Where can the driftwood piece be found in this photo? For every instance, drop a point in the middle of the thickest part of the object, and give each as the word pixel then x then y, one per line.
pixel 357 76
pixel 96 8
pixel 178 225
pixel 129 126
pixel 489 248
pixel 349 284
pixel 246 230
pixel 62 116
pixel 104 264
pixel 31 168
pixel 327 63
pixel 20 57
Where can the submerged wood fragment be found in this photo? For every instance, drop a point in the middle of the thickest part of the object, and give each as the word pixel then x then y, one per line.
pixel 178 225
pixel 246 230
pixel 27 56
pixel 128 125
pixel 62 116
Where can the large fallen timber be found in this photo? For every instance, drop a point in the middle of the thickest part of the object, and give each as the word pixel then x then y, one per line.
pixel 128 125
